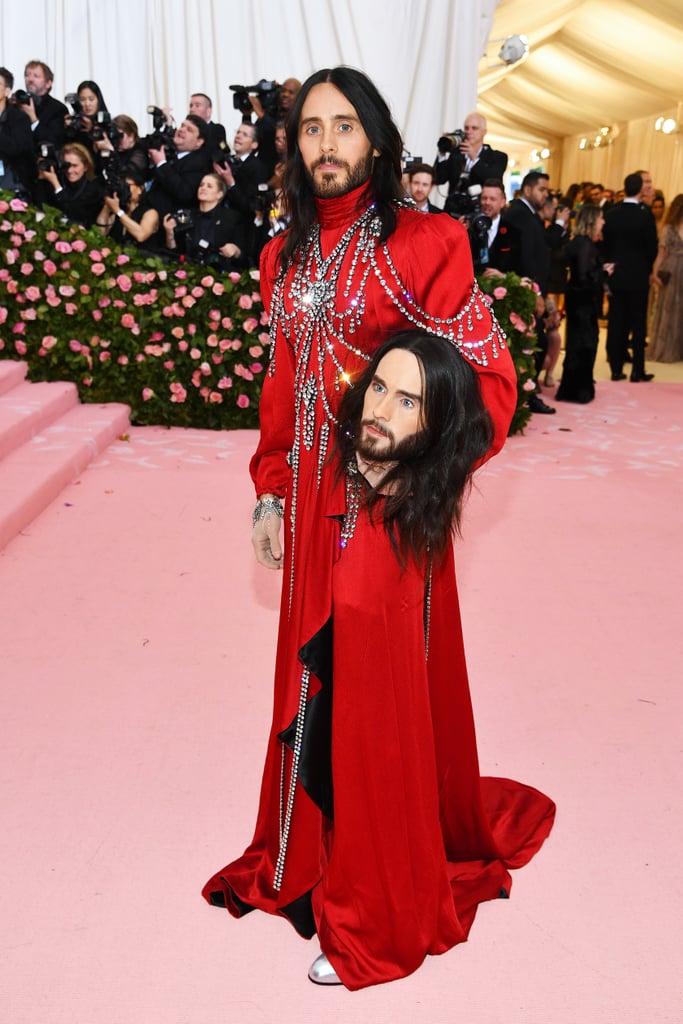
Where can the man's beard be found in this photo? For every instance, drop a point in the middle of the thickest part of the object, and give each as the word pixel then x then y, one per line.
pixel 377 451
pixel 331 185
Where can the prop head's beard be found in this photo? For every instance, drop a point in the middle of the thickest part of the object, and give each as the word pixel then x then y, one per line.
pixel 377 450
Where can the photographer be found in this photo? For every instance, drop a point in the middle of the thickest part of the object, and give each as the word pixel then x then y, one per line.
pixel 244 172
pixel 175 181
pixel 270 103
pixel 211 235
pixel 17 159
pixel 74 189
pixel 464 159
pixel 45 113
pixel 128 218
pixel 123 144
pixel 90 115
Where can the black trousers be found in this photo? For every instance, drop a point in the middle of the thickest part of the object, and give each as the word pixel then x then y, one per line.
pixel 627 324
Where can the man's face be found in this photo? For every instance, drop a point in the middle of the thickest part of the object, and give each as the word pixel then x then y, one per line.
pixel 537 193
pixel 336 152
pixel 392 407
pixel 280 141
pixel 200 107
pixel 492 201
pixel 595 195
pixel 35 80
pixel 475 130
pixel 421 185
pixel 288 91
pixel 245 139
pixel 187 137
pixel 647 192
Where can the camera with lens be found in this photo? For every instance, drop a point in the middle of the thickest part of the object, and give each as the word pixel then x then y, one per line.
pixel 447 143
pixel 184 220
pixel 268 93
pixel 73 122
pixel 161 137
pixel 22 96
pixel 114 178
pixel 221 155
pixel 102 127
pixel 409 161
pixel 48 158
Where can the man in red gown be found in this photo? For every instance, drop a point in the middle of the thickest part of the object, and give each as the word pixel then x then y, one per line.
pixel 374 829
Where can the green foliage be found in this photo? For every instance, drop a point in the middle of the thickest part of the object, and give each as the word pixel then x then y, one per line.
pixel 181 345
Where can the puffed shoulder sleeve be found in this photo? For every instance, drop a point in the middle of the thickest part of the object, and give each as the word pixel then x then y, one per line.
pixel 440 278
pixel 269 467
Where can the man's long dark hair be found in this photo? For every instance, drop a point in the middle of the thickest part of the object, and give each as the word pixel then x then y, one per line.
pixel 384 186
pixel 423 494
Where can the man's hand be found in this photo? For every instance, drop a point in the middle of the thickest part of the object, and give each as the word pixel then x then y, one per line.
pixel 225 173
pixel 265 540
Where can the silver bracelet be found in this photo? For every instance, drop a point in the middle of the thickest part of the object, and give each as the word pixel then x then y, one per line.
pixel 264 506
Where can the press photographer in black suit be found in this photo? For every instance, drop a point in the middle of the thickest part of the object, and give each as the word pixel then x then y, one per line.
pixel 45 113
pixel 244 172
pixel 496 253
pixel 464 159
pixel 17 159
pixel 175 181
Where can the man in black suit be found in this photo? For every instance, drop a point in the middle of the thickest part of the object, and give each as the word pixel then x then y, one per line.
pixel 201 105
pixel 17 159
pixel 420 185
pixel 244 173
pixel 45 113
pixel 175 182
pixel 630 243
pixel 471 162
pixel 496 253
pixel 533 260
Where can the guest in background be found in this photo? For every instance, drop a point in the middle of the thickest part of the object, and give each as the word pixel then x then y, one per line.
pixel 666 339
pixel 130 154
pixel 420 185
pixel 133 223
pixel 583 305
pixel 17 159
pixel 74 190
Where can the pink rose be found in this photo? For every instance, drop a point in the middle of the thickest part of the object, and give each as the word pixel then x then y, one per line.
pixel 62 247
pixel 32 293
pixel 74 345
pixel 98 269
pixel 226 322
pixel 119 304
pixel 26 269
pixel 70 308
pixel 104 356
pixel 250 324
pixel 197 292
pixel 19 328
pixel 52 236
pixel 124 282
pixel 95 255
pixel 169 364
pixel 245 302
pixel 78 245
pixel 122 360
pixel 54 300
pixel 195 353
pixel 256 368
pixel 255 351
pixel 96 313
pixel 529 385
pixel 215 396
pixel 500 292
pixel 183 346
pixel 154 350
pixel 264 338
pixel 188 301
pixel 178 392
pixel 18 205
pixel 20 346
pixel 225 382
pixel 517 322
pixel 67 290
pixel 216 358
pixel 234 276
pixel 243 401
pixel 217 288
pixel 104 301
pixel 29 314
pixel 121 259
pixel 177 332
pixel 181 274
pixel 128 320
pixel 147 393
pixel 85 289
pixel 3 314
pixel 49 341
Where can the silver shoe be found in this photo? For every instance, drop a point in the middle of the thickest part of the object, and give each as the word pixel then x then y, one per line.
pixel 321 972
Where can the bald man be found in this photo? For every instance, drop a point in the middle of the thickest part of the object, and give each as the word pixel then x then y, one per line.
pixel 471 162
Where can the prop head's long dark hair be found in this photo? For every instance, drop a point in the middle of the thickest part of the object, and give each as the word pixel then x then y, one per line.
pixel 422 496
pixel 384 186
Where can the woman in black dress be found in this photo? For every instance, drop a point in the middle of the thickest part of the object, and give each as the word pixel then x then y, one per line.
pixel 212 234
pixel 583 305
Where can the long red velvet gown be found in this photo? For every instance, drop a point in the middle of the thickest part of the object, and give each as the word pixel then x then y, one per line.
pixel 393 838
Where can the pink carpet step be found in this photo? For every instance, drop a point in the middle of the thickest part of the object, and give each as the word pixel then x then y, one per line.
pixel 35 473
pixel 12 372
pixel 27 409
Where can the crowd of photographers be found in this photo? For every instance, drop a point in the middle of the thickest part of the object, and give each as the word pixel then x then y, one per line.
pixel 182 191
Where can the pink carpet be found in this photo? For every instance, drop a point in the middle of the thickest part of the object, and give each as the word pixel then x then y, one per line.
pixel 137 641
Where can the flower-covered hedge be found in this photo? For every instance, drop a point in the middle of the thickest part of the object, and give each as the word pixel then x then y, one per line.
pixel 181 345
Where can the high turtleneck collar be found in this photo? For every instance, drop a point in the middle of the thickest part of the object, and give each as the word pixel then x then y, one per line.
pixel 341 210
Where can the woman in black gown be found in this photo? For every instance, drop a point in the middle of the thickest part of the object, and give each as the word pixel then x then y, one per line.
pixel 583 305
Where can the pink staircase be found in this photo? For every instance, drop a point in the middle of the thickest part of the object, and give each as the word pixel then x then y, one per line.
pixel 47 437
